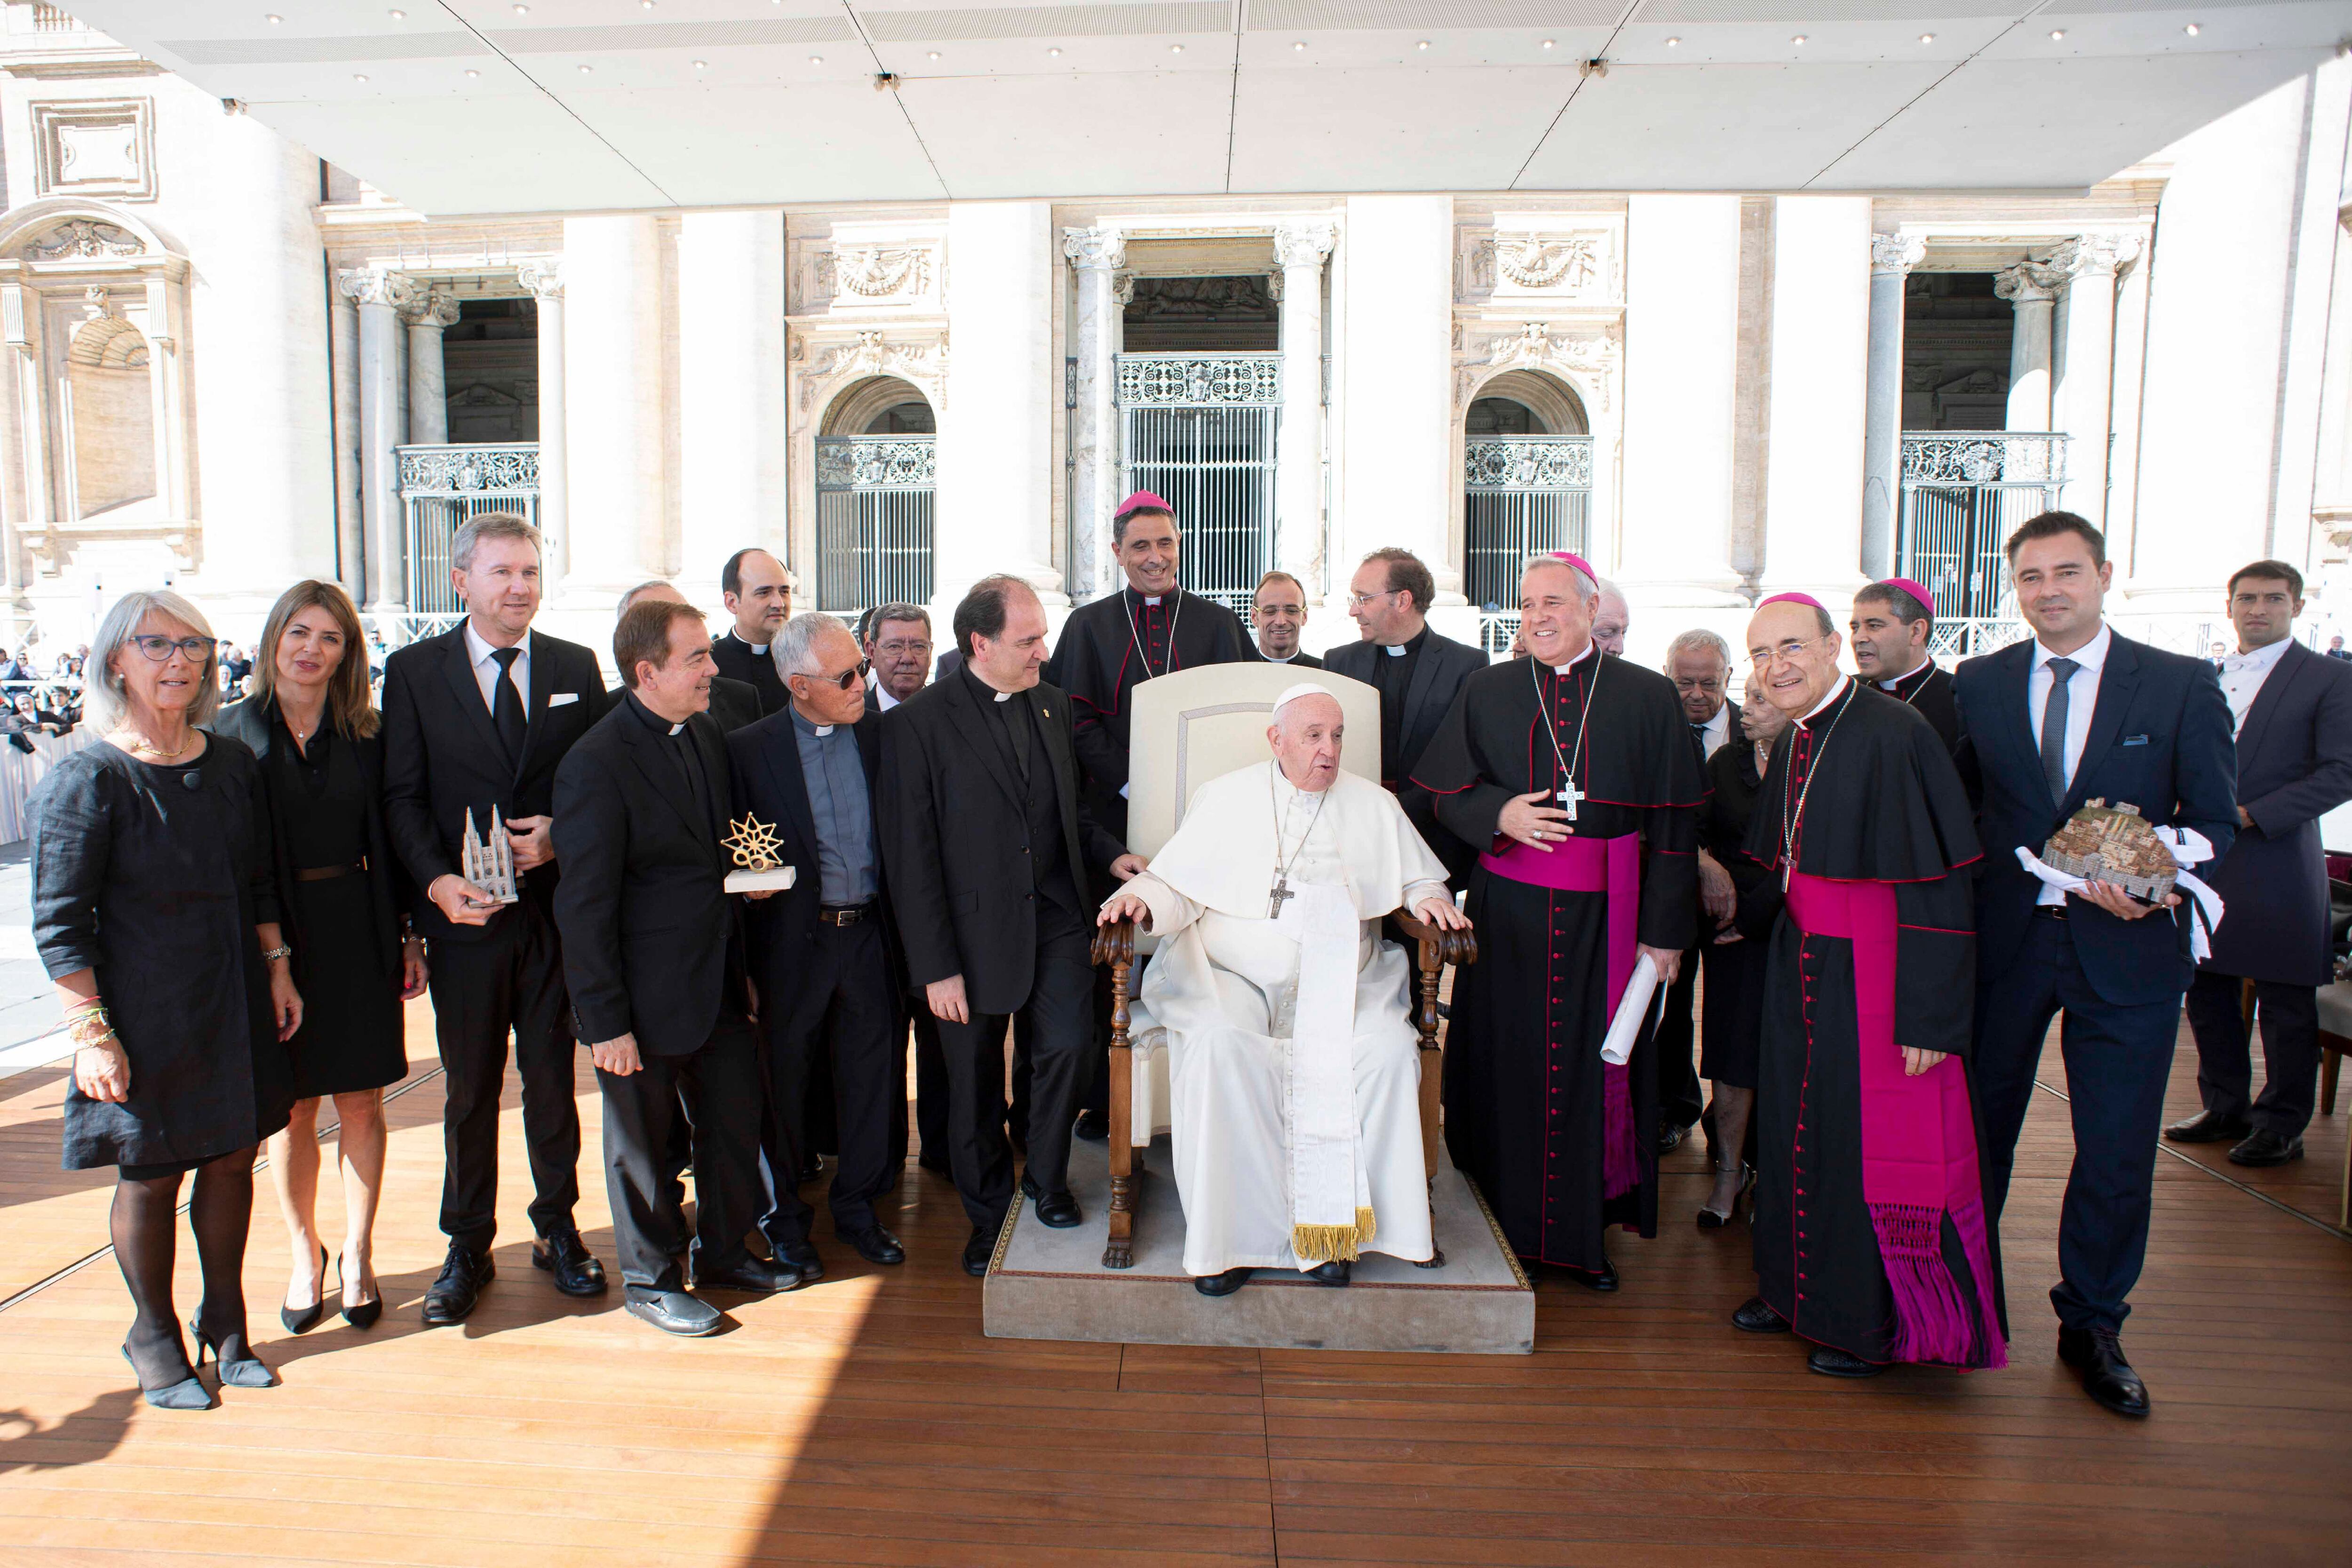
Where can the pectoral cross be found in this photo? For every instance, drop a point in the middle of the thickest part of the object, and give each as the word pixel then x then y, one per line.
pixel 1280 892
pixel 1569 795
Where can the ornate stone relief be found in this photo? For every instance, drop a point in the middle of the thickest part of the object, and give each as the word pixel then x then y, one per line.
pixel 1896 253
pixel 2028 283
pixel 1303 244
pixel 544 280
pixel 431 308
pixel 1572 264
pixel 1095 249
pixel 2093 254
pixel 1594 354
pixel 380 285
pixel 80 238
pixel 873 352
pixel 874 273
pixel 95 147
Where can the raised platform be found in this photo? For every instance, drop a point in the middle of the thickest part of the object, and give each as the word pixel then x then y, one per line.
pixel 1049 1284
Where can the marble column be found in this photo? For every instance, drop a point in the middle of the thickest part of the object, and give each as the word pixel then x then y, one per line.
pixel 429 382
pixel 1892 258
pixel 381 295
pixel 1395 444
pixel 2082 404
pixel 996 450
pixel 1819 397
pixel 1682 356
pixel 1096 254
pixel 2032 289
pixel 613 386
pixel 544 280
pixel 344 373
pixel 1301 250
pixel 733 468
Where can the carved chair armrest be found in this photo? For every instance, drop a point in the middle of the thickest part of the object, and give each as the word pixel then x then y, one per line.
pixel 1114 942
pixel 1439 948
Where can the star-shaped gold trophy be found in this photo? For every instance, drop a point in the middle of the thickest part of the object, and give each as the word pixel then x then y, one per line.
pixel 753 844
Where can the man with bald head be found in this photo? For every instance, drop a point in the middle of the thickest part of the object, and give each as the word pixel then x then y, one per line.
pixel 1294 1071
pixel 1872 1235
pixel 734 703
pixel 759 593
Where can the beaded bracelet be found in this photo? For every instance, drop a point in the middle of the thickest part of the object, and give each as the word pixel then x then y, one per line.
pixel 90 1028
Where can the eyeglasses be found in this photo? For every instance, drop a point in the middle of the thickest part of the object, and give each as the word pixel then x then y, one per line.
pixel 1790 648
pixel 198 649
pixel 844 681
pixel 1360 600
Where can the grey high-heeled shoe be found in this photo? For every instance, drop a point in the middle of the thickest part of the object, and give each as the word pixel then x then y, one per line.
pixel 188 1394
pixel 245 1372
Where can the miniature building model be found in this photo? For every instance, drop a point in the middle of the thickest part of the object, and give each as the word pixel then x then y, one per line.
pixel 489 867
pixel 2113 845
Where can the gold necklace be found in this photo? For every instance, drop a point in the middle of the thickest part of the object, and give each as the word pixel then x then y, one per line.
pixel 143 745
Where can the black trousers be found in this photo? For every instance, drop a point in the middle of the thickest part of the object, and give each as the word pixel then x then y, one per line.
pixel 1058 1023
pixel 510 981
pixel 2225 1068
pixel 930 1086
pixel 1679 1101
pixel 836 1008
pixel 719 1083
pixel 2118 1056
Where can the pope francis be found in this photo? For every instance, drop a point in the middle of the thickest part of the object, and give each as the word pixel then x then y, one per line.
pixel 1293 1071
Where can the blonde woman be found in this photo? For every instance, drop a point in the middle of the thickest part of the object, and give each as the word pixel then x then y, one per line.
pixel 311 723
pixel 155 912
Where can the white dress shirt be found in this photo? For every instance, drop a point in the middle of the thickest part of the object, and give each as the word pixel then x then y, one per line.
pixel 2082 700
pixel 2243 675
pixel 883 700
pixel 1715 731
pixel 485 669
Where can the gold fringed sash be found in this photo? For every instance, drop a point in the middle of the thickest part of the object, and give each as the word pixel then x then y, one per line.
pixel 1331 1243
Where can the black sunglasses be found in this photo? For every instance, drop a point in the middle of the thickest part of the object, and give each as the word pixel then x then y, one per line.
pixel 845 680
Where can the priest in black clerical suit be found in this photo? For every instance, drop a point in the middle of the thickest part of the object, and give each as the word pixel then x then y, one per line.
pixel 1561 1144
pixel 987 852
pixel 759 593
pixel 1149 627
pixel 1890 627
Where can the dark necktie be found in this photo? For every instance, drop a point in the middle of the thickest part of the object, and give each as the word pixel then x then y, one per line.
pixel 2053 730
pixel 506 704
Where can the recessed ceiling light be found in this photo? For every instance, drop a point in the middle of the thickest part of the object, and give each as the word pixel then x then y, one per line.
pixel 931 54
pixel 356 77
pixel 817 60
pixel 1797 39
pixel 1422 45
pixel 1546 44
pixel 702 65
pixel 587 71
pixel 471 73
pixel 522 10
pixel 1926 38
pixel 1055 53
pixel 397 15
pixel 1673 43
pixel 2056 34
pixel 1299 48
pixel 647 4
pixel 1175 49
pixel 2193 30
pixel 273 18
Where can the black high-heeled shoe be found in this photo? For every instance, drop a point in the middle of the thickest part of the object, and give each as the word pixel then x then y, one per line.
pixel 245 1372
pixel 188 1394
pixel 363 1316
pixel 303 1321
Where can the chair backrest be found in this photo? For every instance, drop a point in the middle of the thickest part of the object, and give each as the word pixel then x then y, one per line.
pixel 1190 727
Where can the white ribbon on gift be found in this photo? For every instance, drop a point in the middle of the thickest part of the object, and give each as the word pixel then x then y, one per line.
pixel 2189 847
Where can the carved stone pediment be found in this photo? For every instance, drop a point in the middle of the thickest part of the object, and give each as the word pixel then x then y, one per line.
pixel 820 366
pixel 1567 261
pixel 846 274
pixel 84 239
pixel 1591 351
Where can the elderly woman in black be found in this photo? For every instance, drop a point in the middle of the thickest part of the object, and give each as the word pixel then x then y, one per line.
pixel 156 916
pixel 311 721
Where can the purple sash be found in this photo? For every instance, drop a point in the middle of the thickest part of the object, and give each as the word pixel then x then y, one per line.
pixel 1918 1143
pixel 1613 866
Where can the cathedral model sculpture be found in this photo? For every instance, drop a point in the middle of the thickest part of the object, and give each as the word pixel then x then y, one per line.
pixel 489 867
pixel 2116 845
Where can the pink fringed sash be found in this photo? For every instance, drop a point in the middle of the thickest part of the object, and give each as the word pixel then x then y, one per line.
pixel 1613 866
pixel 1919 1144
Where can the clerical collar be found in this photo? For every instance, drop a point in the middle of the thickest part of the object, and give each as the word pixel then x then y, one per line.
pixel 1559 669
pixel 980 687
pixel 1285 659
pixel 1410 645
pixel 808 726
pixel 1917 672
pixel 1829 701
pixel 1138 596
pixel 651 720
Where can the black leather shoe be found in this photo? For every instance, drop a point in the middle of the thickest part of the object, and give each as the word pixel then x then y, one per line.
pixel 675 1312
pixel 875 1245
pixel 1093 1126
pixel 2098 1355
pixel 2262 1147
pixel 1335 1272
pixel 1830 1362
pixel 1603 1280
pixel 1756 1316
pixel 802 1256
pixel 936 1163
pixel 562 1254
pixel 978 1251
pixel 451 1296
pixel 753 1275
pixel 1225 1284
pixel 2208 1127
pixel 1059 1210
pixel 813 1169
pixel 1670 1138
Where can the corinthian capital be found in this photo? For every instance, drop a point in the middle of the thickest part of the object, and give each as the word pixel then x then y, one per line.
pixel 2028 283
pixel 379 286
pixel 431 308
pixel 2095 255
pixel 1098 249
pixel 1303 244
pixel 1896 253
pixel 544 278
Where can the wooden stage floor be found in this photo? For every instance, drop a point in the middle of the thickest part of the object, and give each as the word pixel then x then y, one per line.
pixel 867 1420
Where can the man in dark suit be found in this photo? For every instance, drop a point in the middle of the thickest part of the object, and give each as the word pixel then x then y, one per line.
pixel 822 950
pixel 734 703
pixel 2079 712
pixel 759 593
pixel 657 972
pixel 2293 714
pixel 898 642
pixel 988 854
pixel 2335 649
pixel 476 718
pixel 1891 621
pixel 1699 664
pixel 1418 671
pixel 1277 616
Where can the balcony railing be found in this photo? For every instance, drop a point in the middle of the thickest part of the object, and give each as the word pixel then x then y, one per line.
pixel 440 488
pixel 1964 492
pixel 1199 429
pixel 874 521
pixel 1521 495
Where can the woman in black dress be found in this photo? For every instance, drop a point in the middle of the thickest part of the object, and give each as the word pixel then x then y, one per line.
pixel 1732 1024
pixel 312 723
pixel 156 915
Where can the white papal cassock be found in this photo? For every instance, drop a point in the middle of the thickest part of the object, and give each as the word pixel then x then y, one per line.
pixel 1294 1070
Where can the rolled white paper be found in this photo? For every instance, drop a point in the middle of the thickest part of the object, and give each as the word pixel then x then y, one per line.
pixel 1617 1049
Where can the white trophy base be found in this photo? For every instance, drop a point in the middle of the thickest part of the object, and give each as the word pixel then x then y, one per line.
pixel 774 881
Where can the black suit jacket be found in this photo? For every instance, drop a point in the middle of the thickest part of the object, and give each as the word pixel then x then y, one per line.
pixel 442 758
pixel 1437 678
pixel 960 887
pixel 2294 765
pixel 646 921
pixel 736 661
pixel 734 703
pixel 2159 740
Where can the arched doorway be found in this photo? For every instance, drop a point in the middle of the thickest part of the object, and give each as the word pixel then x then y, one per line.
pixel 877 470
pixel 1527 481
pixel 110 412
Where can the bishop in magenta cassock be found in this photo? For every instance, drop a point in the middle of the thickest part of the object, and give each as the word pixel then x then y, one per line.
pixel 1574 772
pixel 1870 1238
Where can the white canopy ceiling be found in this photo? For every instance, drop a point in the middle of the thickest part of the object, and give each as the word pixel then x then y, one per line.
pixel 481 106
